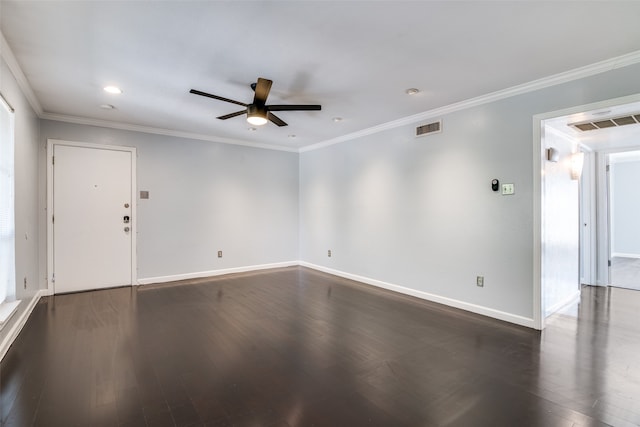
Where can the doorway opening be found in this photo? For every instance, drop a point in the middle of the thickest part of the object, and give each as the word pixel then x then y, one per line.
pixel 587 246
pixel 624 211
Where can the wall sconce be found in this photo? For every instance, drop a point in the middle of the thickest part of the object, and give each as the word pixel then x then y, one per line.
pixel 577 161
pixel 553 155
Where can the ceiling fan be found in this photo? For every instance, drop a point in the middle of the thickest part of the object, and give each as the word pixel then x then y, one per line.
pixel 258 113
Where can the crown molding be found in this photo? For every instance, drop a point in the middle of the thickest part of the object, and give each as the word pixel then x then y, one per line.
pixel 23 83
pixel 160 131
pixel 556 79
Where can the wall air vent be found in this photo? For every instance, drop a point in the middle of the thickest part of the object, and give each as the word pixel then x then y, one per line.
pixel 606 123
pixel 435 127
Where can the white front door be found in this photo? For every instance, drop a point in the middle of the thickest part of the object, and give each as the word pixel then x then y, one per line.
pixel 92 217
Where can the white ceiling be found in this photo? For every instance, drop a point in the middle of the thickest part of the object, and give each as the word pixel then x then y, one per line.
pixel 356 58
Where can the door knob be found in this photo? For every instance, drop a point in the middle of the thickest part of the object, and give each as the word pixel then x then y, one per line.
pixel 125 219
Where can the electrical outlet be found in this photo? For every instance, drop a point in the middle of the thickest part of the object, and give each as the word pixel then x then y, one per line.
pixel 480 281
pixel 219 254
pixel 329 253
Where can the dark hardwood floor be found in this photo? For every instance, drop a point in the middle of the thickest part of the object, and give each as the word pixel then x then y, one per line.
pixel 294 347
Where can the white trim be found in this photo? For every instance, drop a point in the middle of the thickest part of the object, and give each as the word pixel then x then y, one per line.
pixel 624 255
pixel 6 311
pixel 478 309
pixel 567 76
pixel 19 324
pixel 134 204
pixel 575 296
pixel 569 138
pixel 160 131
pixel 538 185
pixel 212 273
pixel 15 69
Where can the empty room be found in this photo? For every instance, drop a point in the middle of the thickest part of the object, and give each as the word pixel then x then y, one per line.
pixel 319 213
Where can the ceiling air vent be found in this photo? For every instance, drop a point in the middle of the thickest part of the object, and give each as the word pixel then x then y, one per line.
pixel 435 127
pixel 606 123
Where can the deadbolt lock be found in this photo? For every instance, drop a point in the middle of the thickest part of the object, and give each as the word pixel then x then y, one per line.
pixel 126 229
pixel 126 205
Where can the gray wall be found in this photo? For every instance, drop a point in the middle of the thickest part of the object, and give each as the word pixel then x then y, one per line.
pixel 625 208
pixel 204 197
pixel 419 213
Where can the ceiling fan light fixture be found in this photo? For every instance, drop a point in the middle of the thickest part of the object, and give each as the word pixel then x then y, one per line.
pixel 256 116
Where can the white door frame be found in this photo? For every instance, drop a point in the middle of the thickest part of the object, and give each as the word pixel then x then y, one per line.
pixel 538 181
pixel 51 143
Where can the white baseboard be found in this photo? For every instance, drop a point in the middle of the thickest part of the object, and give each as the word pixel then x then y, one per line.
pixel 211 273
pixel 7 309
pixel 624 255
pixel 485 311
pixel 20 322
pixel 562 304
pixel 478 309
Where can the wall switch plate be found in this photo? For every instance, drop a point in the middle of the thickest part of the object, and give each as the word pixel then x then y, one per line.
pixel 508 189
pixel 480 281
pixel 219 254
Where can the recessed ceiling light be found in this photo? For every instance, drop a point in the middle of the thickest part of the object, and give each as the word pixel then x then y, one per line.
pixel 337 119
pixel 412 91
pixel 113 89
pixel 107 107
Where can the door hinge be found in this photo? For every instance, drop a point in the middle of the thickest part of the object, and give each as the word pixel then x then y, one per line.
pixel 608 168
pixel 609 263
pixel 53 160
pixel 53 219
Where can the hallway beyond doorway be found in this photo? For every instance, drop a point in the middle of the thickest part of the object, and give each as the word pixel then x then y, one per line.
pixel 625 273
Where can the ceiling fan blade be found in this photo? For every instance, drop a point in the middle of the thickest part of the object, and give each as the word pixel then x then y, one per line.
pixel 228 116
pixel 197 92
pixel 262 91
pixel 275 119
pixel 294 107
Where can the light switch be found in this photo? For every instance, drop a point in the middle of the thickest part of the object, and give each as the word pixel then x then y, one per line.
pixel 508 189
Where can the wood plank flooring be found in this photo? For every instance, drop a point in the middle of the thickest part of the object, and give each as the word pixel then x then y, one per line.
pixel 294 347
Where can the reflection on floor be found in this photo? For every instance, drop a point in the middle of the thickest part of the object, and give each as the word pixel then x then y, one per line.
pixel 625 273
pixel 294 347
